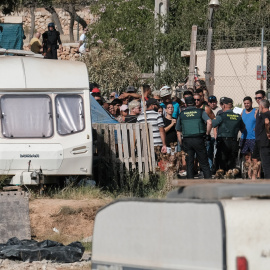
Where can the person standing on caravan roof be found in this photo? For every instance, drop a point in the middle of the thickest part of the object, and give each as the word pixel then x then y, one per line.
pixel 51 39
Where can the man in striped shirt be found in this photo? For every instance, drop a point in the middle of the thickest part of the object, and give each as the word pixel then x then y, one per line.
pixel 155 119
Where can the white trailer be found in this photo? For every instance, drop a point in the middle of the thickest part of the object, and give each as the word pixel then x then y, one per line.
pixel 45 129
pixel 204 227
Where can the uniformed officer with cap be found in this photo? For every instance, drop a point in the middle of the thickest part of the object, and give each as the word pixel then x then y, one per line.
pixel 193 124
pixel 229 124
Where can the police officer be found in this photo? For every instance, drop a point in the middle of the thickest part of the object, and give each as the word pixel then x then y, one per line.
pixel 191 124
pixel 229 124
pixel 50 40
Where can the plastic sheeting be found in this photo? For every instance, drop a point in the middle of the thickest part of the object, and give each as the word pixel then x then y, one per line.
pixel 31 250
pixel 99 115
pixel 27 116
pixel 70 117
pixel 12 36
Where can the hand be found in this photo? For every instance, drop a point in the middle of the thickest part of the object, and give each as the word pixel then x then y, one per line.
pixel 266 121
pixel 164 149
pixel 174 122
pixel 60 48
pixel 123 96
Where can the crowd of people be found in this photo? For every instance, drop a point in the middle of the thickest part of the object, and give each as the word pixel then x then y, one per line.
pixel 209 132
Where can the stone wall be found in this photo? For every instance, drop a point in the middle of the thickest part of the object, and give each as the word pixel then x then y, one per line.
pixel 43 17
pixel 69 51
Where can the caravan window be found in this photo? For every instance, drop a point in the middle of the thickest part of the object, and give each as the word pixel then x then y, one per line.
pixel 26 116
pixel 69 114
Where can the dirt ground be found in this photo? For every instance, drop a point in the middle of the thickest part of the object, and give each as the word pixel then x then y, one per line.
pixel 73 220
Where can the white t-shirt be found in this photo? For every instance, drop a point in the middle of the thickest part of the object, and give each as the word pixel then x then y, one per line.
pixel 82 47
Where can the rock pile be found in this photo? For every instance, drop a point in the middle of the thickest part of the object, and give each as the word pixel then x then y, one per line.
pixel 69 51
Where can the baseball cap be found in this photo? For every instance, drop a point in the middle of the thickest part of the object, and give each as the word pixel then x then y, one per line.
pixel 123 108
pixel 165 87
pixel 212 98
pixel 151 101
pixel 225 100
pixel 190 100
pixel 95 90
pixel 164 91
pixel 131 89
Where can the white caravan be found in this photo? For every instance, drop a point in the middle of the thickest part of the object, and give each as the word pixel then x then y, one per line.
pixel 45 129
pixel 204 227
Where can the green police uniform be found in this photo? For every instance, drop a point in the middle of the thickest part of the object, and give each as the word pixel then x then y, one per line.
pixel 191 123
pixel 229 124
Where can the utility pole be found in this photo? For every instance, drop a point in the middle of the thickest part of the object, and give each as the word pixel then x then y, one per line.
pixel 161 9
pixel 262 76
pixel 213 5
pixel 192 59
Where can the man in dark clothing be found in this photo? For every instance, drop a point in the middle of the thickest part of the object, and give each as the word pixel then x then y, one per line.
pixel 229 124
pixel 191 125
pixel 259 96
pixel 263 137
pixel 51 39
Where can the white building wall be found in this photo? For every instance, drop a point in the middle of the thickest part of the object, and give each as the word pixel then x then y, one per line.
pixel 233 72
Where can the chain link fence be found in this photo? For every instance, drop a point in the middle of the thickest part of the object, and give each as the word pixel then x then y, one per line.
pixel 235 61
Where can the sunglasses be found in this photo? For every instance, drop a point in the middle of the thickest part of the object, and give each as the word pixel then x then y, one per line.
pixel 212 101
pixel 111 96
pixel 197 99
pixel 258 97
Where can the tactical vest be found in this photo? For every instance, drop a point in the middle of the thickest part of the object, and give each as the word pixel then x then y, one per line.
pixel 230 125
pixel 192 122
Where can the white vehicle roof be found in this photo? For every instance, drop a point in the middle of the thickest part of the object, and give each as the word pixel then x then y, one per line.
pixel 30 73
pixel 221 191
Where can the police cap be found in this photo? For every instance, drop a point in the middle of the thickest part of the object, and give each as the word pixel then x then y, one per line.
pixel 190 100
pixel 225 100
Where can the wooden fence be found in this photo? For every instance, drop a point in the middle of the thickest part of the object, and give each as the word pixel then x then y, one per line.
pixel 123 147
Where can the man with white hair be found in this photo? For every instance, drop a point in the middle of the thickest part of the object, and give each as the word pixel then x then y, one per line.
pixel 135 109
pixel 166 97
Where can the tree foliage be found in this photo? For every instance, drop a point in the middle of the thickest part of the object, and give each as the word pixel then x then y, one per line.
pixel 110 68
pixel 132 23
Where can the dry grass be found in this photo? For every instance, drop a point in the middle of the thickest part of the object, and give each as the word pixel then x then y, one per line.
pixel 79 193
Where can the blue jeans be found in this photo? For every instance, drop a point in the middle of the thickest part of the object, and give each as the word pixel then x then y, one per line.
pixel 210 148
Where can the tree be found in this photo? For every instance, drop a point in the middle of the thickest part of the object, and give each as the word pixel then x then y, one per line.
pixel 8 6
pixel 110 68
pixel 55 17
pixel 70 7
pixel 132 23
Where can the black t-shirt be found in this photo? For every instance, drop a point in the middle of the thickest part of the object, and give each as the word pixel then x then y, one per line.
pixel 259 126
pixel 264 141
pixel 131 119
pixel 171 136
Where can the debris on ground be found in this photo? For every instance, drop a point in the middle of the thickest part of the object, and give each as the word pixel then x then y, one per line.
pixel 31 250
